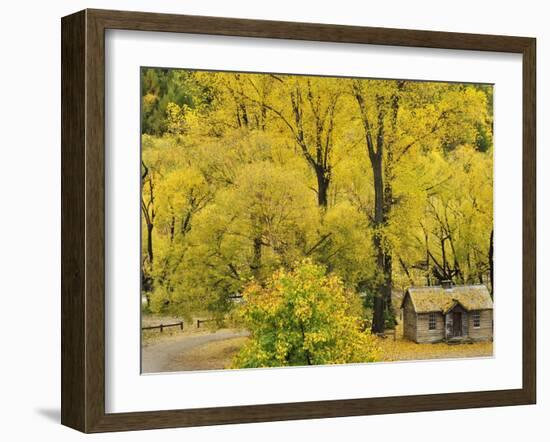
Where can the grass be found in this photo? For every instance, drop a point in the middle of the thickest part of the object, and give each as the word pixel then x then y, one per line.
pixel 219 354
pixel 150 337
pixel 212 356
pixel 405 350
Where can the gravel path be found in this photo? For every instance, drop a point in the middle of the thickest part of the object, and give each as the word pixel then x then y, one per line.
pixel 157 357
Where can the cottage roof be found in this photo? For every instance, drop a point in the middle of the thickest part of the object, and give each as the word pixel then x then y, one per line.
pixel 440 299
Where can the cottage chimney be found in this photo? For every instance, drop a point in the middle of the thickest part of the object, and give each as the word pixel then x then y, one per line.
pixel 447 284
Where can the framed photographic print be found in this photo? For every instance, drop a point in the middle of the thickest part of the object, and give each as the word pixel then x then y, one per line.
pixel 267 221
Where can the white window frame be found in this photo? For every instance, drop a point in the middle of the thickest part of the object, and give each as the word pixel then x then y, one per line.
pixel 476 317
pixel 430 317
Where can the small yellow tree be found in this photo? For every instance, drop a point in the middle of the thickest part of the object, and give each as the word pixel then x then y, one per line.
pixel 303 317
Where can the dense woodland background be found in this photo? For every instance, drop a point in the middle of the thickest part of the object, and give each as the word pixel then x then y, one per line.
pixel 382 183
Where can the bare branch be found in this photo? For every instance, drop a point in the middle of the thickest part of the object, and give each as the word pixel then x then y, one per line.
pixel 318 244
pixel 434 128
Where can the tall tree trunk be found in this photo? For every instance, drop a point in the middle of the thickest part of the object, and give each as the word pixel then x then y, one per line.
pixel 388 144
pixel 256 264
pixel 446 275
pixel 147 266
pixel 428 280
pixel 375 149
pixel 388 202
pixel 150 243
pixel 379 217
pixel 172 228
pixel 388 284
pixel 148 210
pixel 406 270
pixel 323 182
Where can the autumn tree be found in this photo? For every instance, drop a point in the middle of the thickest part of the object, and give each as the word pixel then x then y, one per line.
pixel 162 87
pixel 306 107
pixel 399 118
pixel 303 317
pixel 264 221
pixel 382 183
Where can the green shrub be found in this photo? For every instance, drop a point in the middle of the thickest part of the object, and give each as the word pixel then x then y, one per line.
pixel 303 317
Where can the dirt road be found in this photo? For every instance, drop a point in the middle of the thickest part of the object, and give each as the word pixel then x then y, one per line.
pixel 163 356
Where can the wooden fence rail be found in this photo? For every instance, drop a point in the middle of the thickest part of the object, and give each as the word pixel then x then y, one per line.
pixel 202 321
pixel 163 326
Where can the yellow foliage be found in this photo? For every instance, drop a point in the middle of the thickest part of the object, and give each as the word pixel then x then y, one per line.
pixel 302 317
pixel 259 171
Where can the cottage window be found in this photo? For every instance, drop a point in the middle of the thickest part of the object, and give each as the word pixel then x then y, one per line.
pixel 476 316
pixel 432 322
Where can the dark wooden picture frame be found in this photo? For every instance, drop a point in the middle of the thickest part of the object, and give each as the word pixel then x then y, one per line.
pixel 83 220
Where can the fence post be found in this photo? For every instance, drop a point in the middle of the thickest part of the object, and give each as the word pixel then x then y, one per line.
pixel 161 328
pixel 181 325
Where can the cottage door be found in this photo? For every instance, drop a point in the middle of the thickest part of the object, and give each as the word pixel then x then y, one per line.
pixel 457 324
